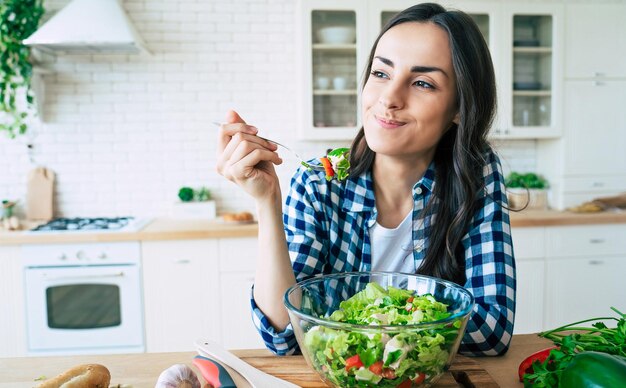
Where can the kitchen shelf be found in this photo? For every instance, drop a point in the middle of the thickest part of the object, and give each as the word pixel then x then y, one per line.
pixel 532 93
pixel 334 92
pixel 532 50
pixel 333 47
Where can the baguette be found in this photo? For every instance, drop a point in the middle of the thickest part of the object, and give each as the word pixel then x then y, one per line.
pixel 80 376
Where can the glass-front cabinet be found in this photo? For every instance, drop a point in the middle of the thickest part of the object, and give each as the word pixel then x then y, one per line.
pixel 525 43
pixel 334 35
pixel 532 87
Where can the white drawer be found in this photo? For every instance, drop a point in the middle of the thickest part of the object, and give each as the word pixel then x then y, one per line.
pixel 596 183
pixel 588 240
pixel 528 243
pixel 90 253
pixel 238 254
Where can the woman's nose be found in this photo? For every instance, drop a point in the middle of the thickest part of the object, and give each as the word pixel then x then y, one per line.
pixel 390 97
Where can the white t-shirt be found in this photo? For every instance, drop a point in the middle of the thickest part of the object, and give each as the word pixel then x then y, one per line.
pixel 392 249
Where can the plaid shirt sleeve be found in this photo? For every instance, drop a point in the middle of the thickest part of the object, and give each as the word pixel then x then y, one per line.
pixel 490 270
pixel 307 238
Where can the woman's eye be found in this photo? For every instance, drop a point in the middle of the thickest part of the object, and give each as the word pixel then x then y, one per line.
pixel 378 74
pixel 423 84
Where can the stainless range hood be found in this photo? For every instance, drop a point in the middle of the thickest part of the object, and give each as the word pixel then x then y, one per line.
pixel 88 27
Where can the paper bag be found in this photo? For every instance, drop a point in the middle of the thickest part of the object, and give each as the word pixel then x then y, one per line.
pixel 39 198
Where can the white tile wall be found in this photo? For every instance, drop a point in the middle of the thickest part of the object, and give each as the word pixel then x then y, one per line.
pixel 123 133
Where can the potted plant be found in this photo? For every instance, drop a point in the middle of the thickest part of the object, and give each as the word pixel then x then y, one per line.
pixel 194 203
pixel 18 20
pixel 527 191
pixel 9 220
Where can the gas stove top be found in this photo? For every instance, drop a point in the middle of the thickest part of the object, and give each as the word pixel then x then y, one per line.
pixel 98 224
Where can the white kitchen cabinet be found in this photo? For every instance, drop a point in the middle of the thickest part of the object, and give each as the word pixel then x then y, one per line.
pixel 589 161
pixel 237 263
pixel 526 44
pixel 330 68
pixel 181 293
pixel 530 78
pixel 12 323
pixel 584 272
pixel 596 41
pixel 529 249
pixel 596 139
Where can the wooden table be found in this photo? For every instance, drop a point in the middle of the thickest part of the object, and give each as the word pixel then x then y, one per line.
pixel 142 369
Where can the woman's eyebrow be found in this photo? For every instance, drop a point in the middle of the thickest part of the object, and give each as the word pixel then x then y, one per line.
pixel 414 69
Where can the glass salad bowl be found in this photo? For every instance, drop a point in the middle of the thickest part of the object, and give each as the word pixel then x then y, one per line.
pixel 379 329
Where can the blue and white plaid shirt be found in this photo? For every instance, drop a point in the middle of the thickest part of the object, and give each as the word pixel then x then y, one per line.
pixel 327 226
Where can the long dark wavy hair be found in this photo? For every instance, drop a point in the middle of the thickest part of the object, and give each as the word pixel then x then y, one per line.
pixel 459 155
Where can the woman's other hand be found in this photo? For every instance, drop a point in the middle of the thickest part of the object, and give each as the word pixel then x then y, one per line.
pixel 246 159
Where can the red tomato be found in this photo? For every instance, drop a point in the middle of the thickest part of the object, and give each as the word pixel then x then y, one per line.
pixel 404 384
pixel 410 299
pixel 377 368
pixel 353 362
pixel 526 366
pixel 327 166
pixel 420 378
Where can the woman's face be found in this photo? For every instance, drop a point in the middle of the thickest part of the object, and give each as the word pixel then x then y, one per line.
pixel 408 101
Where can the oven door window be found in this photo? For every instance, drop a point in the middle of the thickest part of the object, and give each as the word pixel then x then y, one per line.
pixel 83 306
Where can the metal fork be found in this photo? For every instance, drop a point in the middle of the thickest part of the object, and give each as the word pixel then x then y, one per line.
pixel 302 161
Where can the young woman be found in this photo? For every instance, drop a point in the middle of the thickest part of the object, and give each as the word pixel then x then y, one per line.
pixel 425 192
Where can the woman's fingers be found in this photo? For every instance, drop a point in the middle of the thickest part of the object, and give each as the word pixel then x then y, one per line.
pixel 233 117
pixel 237 152
pixel 247 162
pixel 227 131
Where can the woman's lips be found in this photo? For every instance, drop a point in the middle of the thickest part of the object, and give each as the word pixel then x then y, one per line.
pixel 388 123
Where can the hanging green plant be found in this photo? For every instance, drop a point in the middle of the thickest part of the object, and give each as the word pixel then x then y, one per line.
pixel 18 20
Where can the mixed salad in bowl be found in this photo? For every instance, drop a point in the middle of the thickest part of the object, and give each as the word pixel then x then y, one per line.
pixel 382 337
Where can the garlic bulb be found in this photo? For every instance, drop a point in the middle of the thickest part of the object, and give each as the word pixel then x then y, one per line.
pixel 178 376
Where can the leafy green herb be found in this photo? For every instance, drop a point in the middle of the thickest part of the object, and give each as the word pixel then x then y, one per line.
pixel 529 181
pixel 598 338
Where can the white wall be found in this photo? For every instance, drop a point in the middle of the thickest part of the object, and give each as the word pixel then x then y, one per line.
pixel 123 133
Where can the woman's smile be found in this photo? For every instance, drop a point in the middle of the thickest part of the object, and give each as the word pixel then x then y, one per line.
pixel 389 123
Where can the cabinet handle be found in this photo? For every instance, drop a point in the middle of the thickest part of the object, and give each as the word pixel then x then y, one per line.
pixel 596 262
pixel 597 184
pixel 597 241
pixel 181 261
pixel 598 74
pixel 598 83
pixel 78 277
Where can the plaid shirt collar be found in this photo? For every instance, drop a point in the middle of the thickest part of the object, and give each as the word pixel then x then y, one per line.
pixel 359 193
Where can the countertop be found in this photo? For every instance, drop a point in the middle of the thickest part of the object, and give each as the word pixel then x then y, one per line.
pixel 180 229
pixel 142 370
pixel 157 229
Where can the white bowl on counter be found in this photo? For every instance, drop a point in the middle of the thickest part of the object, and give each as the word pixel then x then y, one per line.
pixel 336 35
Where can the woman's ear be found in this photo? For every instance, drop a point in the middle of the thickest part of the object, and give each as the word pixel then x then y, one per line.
pixel 456 119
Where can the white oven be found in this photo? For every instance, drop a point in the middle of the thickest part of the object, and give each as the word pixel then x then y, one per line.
pixel 83 298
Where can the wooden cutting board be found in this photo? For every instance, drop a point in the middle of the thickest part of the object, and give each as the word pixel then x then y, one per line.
pixel 141 370
pixel 464 372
